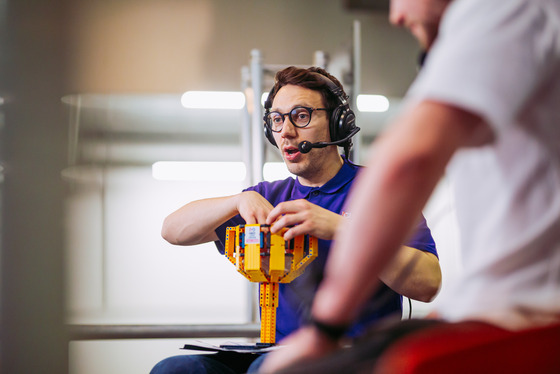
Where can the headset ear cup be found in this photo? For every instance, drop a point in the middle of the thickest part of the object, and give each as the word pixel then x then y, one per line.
pixel 343 121
pixel 334 124
pixel 348 123
pixel 349 126
pixel 267 130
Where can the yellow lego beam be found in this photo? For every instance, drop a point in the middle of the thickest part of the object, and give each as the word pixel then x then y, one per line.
pixel 267 258
pixel 268 304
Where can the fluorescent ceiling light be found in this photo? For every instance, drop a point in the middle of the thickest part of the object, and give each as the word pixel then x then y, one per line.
pixel 372 103
pixel 199 171
pixel 365 103
pixel 264 96
pixel 213 100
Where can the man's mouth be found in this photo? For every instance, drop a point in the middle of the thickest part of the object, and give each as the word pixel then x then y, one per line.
pixel 290 153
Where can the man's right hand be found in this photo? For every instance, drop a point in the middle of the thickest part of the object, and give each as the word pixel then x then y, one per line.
pixel 253 208
pixel 196 222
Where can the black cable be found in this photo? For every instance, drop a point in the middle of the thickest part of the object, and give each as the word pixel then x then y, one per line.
pixel 409 308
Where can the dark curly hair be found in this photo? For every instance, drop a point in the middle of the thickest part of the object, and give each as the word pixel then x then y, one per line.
pixel 307 78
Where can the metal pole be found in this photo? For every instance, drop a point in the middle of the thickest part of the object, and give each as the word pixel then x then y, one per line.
pixel 257 138
pixel 357 77
pixel 320 59
pixel 246 125
pixel 257 147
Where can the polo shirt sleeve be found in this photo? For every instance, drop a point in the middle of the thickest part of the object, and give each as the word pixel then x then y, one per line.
pixel 422 238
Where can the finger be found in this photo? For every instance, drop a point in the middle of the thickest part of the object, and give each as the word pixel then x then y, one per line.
pixel 288 208
pixel 296 231
pixel 261 217
pixel 277 226
pixel 272 216
pixel 290 220
pixel 250 220
pixel 284 221
pixel 278 211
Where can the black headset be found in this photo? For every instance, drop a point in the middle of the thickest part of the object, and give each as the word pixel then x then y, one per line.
pixel 342 123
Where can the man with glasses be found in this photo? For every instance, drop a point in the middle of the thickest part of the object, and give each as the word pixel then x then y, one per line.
pixel 305 106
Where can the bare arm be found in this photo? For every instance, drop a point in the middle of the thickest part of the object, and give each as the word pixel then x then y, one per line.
pixel 413 273
pixel 388 197
pixel 195 222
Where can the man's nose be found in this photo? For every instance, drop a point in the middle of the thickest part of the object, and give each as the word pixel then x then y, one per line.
pixel 288 128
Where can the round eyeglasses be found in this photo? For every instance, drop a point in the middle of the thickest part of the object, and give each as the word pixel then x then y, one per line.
pixel 300 116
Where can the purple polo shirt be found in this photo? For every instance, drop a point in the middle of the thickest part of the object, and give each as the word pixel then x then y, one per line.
pixel 295 298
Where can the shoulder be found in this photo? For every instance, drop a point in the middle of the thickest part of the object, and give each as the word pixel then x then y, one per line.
pixel 351 166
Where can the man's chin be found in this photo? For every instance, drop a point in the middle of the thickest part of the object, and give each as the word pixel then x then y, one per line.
pixel 294 168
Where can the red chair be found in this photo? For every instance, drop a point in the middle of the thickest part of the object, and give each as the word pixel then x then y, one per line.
pixel 474 347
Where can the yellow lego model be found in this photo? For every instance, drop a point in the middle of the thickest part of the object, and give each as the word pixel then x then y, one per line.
pixel 267 258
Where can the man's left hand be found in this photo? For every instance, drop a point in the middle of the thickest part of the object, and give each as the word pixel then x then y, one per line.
pixel 305 217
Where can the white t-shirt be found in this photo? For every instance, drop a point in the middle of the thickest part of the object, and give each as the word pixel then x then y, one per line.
pixel 501 60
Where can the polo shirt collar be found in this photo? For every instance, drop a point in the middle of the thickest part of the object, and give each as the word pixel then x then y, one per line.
pixel 344 176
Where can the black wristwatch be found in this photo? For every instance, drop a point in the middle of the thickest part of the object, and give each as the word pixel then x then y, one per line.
pixel 333 332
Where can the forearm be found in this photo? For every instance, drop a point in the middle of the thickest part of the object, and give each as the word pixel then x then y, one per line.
pixel 195 222
pixel 413 273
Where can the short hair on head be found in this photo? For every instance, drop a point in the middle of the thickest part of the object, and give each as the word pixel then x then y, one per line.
pixel 307 78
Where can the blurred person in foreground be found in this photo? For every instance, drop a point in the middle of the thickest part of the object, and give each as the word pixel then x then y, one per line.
pixel 484 109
